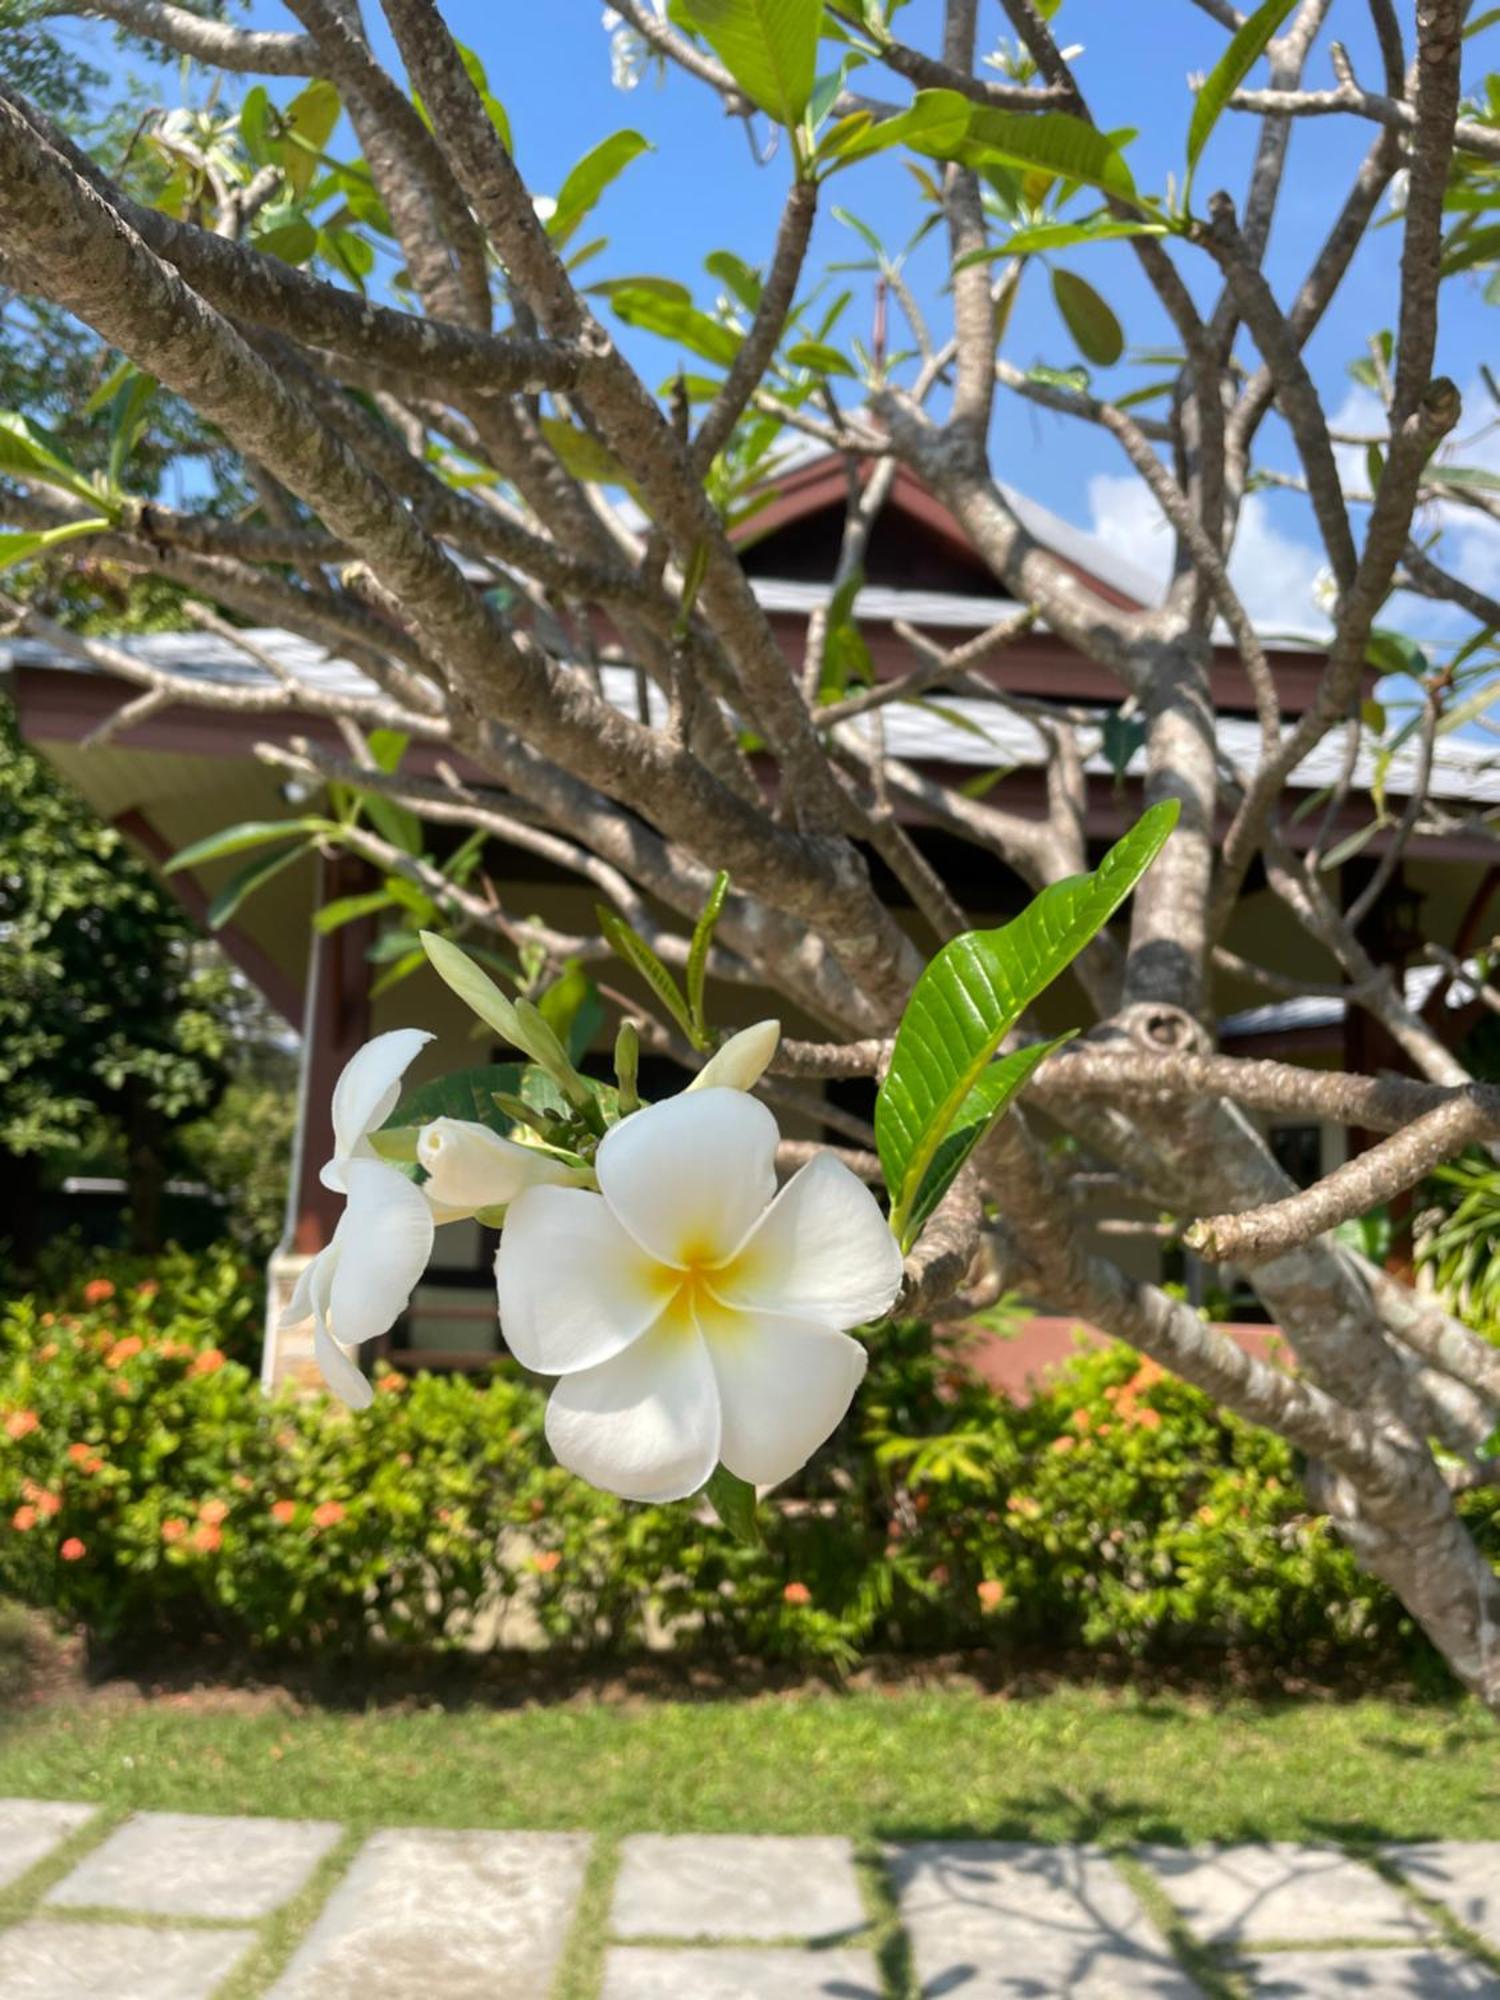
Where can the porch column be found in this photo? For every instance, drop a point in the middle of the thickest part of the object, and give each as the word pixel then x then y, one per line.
pixel 335 1023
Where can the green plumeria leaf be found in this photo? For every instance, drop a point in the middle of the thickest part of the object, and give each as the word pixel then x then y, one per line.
pixel 20 544
pixel 635 951
pixel 518 1024
pixel 581 190
pixel 468 1094
pixel 29 452
pixel 697 965
pixel 236 839
pixel 309 122
pixel 248 879
pixel 972 995
pixel 733 1500
pixel 769 47
pixel 1088 318
pixel 1245 49
pixel 986 1103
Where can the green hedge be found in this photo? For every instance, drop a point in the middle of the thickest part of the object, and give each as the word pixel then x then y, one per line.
pixel 148 1489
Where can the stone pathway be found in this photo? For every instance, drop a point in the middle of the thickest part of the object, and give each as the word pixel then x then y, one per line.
pixel 175 1906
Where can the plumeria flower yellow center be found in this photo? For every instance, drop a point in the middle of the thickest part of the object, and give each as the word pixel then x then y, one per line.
pixel 691 1313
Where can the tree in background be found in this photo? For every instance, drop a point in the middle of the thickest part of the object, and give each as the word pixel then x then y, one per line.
pixel 395 345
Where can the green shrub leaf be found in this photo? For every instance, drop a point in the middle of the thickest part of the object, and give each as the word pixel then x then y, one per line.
pixel 733 1500
pixel 969 999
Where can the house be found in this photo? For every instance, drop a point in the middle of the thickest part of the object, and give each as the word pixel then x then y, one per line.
pixel 180 773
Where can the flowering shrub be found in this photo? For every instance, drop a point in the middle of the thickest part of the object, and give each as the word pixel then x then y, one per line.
pixel 148 1488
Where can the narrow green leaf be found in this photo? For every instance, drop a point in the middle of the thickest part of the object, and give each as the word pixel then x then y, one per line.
pixel 235 839
pixel 587 181
pixel 986 1103
pixel 18 544
pixel 1088 318
pixel 29 452
pixel 703 937
pixel 820 357
pixel 769 47
pixel 1245 49
pixel 349 909
pixel 973 993
pixel 1056 142
pixel 635 951
pixel 248 879
pixel 733 1500
pixel 394 823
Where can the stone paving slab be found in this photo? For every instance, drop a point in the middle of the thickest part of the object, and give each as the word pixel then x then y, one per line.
pixel 1370 1975
pixel 30 1829
pixel 988 1918
pixel 193 1865
pixel 732 1886
pixel 464 1916
pixel 1282 1892
pixel 72 1961
pixel 634 1972
pixel 1464 1874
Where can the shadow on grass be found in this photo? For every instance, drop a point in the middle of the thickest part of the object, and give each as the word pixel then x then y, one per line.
pixel 498 1680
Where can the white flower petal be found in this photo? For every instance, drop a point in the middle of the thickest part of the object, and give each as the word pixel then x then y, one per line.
pixel 742 1061
pixel 470 1167
pixel 367 1091
pixel 645 1424
pixel 299 1306
pixel 690 1177
pixel 341 1371
pixel 824 1251
pixel 575 1287
pixel 784 1385
pixel 384 1241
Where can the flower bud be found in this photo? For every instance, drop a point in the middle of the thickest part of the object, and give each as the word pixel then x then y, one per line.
pixel 742 1061
pixel 470 1167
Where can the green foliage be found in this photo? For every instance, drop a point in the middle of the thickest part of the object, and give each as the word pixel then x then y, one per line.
pixel 107 1007
pixel 1089 318
pixel 964 1005
pixel 1461 1247
pixel 769 47
pixel 1118 1511
pixel 1245 49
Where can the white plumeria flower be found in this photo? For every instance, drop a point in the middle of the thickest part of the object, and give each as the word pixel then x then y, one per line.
pixel 691 1312
pixel 742 1061
pixel 469 1168
pixel 360 1281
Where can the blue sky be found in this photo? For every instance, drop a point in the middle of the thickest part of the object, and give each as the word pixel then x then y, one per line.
pixel 700 190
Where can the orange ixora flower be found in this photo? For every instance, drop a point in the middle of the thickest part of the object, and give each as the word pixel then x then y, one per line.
pixel 546 1562
pixel 214 1512
pixel 124 1350
pixel 209 1362
pixel 147 1288
pixel 80 1453
pixel 24 1519
pixel 21 1423
pixel 283 1511
pixel 991 1594
pixel 173 1530
pixel 797 1593
pixel 49 1351
pixel 329 1514
pixel 1062 1444
pixel 73 1550
pixel 98 1291
pixel 207 1539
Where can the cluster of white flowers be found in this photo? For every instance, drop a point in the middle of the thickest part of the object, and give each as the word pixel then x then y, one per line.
pixel 629 51
pixel 692 1314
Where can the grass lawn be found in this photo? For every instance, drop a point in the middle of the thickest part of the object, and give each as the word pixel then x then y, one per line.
pixel 1072 1763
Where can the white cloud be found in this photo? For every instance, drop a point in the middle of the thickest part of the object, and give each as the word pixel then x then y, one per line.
pixel 1273 572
